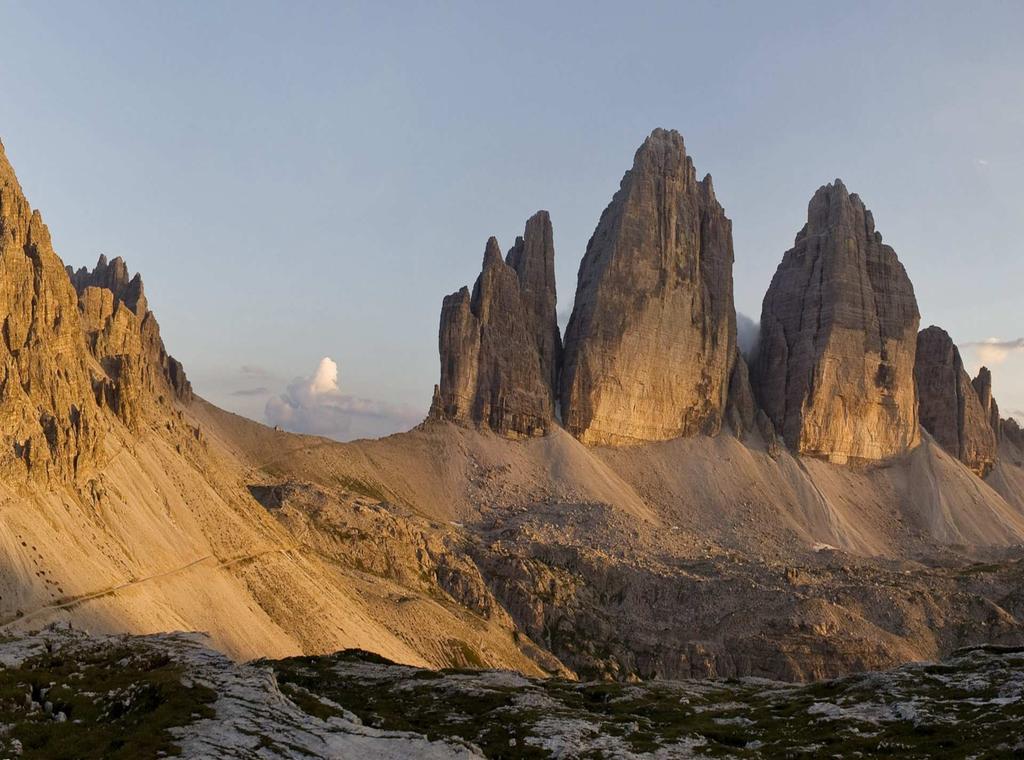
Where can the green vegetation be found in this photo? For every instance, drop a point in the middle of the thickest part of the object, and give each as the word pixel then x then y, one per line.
pixel 112 702
pixel 974 701
pixel 369 490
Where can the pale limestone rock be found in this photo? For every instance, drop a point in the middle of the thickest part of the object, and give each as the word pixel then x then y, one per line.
pixel 651 345
pixel 838 337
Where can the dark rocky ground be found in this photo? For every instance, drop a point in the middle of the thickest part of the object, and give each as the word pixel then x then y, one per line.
pixel 64 694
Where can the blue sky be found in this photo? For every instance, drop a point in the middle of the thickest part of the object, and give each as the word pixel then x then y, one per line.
pixel 299 181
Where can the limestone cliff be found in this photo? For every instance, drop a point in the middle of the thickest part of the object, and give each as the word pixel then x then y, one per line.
pixel 838 335
pixel 51 427
pixel 124 336
pixel 73 343
pixel 500 346
pixel 950 408
pixel 651 344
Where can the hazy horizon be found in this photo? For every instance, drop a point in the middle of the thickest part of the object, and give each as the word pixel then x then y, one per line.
pixel 301 189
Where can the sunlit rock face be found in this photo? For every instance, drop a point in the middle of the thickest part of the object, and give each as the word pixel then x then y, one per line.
pixel 500 347
pixel 50 425
pixel 835 369
pixel 651 344
pixel 73 344
pixel 951 409
pixel 124 336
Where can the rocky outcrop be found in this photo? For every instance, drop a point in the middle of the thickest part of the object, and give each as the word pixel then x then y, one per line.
pixel 839 324
pixel 983 387
pixel 73 343
pixel 1012 432
pixel 651 345
pixel 950 407
pixel 500 346
pixel 50 423
pixel 533 259
pixel 124 336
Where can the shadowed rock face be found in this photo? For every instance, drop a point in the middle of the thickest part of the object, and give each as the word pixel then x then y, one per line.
pixel 838 337
pixel 500 347
pixel 983 387
pixel 950 407
pixel 1012 432
pixel 651 344
pixel 533 259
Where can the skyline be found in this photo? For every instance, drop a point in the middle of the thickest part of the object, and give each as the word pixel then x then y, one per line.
pixel 338 237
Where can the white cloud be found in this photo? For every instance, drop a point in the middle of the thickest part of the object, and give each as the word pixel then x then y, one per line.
pixel 316 405
pixel 981 162
pixel 994 350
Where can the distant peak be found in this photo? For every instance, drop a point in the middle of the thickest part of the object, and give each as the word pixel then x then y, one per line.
pixel 492 253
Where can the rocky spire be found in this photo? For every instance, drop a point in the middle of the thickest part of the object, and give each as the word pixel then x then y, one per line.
pixel 500 346
pixel 950 408
pixel 124 336
pixel 838 336
pixel 983 387
pixel 114 277
pixel 533 259
pixel 651 344
pixel 50 421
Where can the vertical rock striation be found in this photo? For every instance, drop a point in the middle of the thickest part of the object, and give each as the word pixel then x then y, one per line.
pixel 533 259
pixel 124 336
pixel 983 387
pixel 838 336
pixel 500 347
pixel 50 423
pixel 651 345
pixel 72 345
pixel 950 408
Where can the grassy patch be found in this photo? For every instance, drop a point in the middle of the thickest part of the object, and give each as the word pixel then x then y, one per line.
pixel 117 702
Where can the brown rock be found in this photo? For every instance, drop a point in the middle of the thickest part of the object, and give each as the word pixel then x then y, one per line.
pixel 51 427
pixel 651 345
pixel 533 259
pixel 1012 432
pixel 500 347
pixel 950 408
pixel 983 387
pixel 741 408
pixel 838 334
pixel 124 336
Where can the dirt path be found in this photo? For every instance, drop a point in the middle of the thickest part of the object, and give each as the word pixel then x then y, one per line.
pixel 73 601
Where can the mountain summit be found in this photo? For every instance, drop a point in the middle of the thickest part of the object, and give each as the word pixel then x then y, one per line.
pixel 835 368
